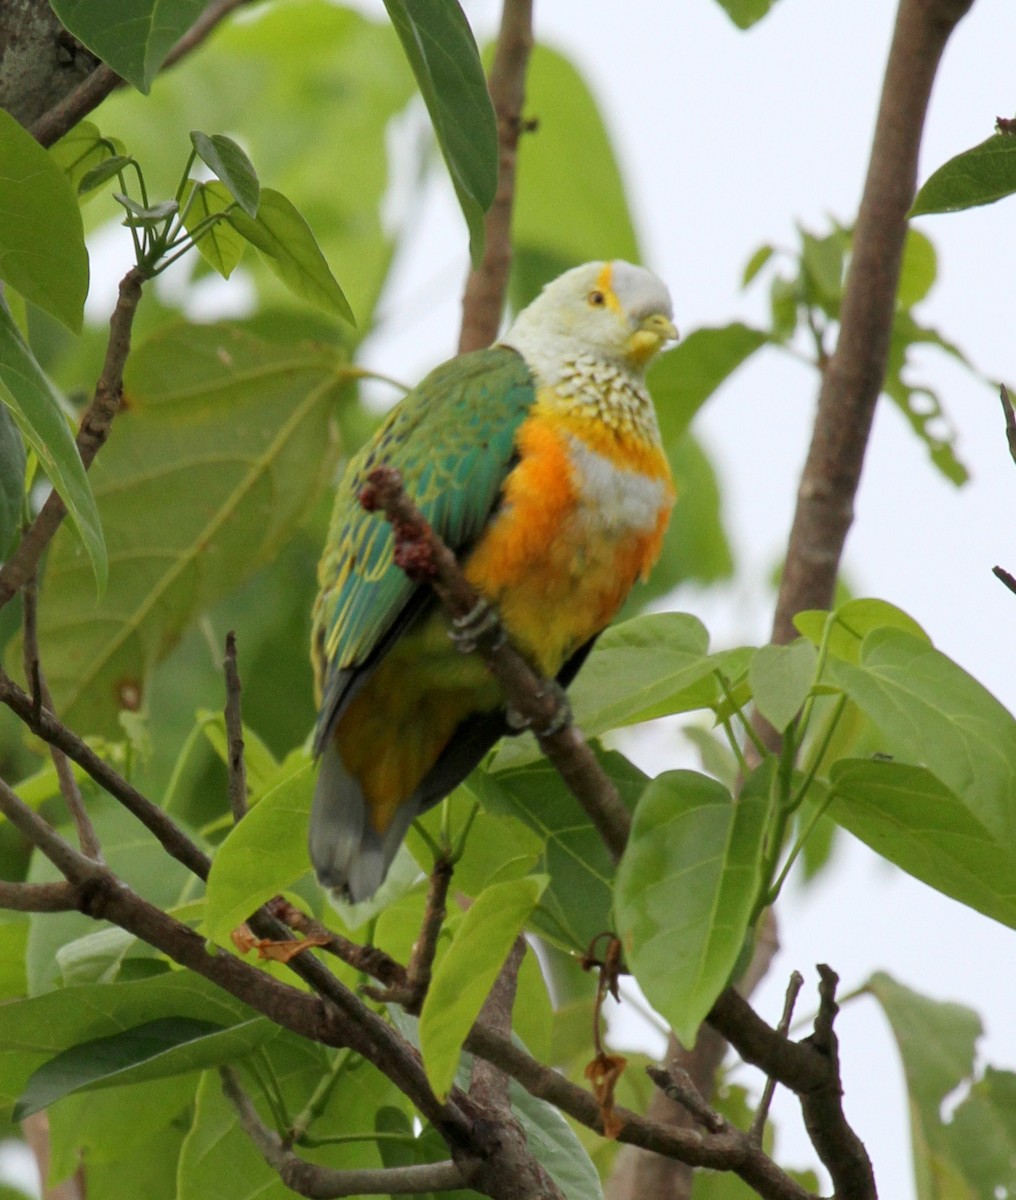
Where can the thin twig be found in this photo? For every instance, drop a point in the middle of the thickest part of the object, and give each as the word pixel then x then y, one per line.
pixel 783 1029
pixel 422 554
pixel 324 1183
pixel 43 723
pixel 483 299
pixel 1006 577
pixel 837 1145
pixel 234 733
pixel 92 434
pixel 676 1083
pixel 92 90
pixel 370 960
pixel 88 839
pixel 1010 419
pixel 411 991
pixel 72 865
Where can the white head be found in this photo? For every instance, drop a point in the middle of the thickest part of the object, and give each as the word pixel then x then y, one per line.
pixel 604 310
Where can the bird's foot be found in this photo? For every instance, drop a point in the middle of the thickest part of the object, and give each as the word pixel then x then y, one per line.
pixel 467 630
pixel 562 714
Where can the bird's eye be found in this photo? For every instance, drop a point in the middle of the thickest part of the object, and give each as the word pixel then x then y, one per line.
pixel 597 299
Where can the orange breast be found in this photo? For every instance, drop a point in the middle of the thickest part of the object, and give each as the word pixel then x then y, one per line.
pixel 581 520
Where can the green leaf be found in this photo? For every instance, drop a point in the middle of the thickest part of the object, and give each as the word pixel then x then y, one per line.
pixel 686 887
pixel 466 973
pixel 930 712
pixel 755 264
pixel 937 1042
pixel 981 175
pixel 219 244
pixel 577 903
pixel 167 1046
pixel 745 13
pixel 781 678
pixel 570 202
pixel 919 269
pixel 37 411
pixel 652 666
pixel 262 855
pixel 82 152
pixel 132 36
pixel 231 435
pixel 325 77
pixel 982 1134
pixel 852 622
pixel 35 1030
pixel 216 1162
pixel 912 819
pixel 12 480
pixel 261 765
pixel 231 166
pixel 682 379
pixel 137 858
pixel 442 52
pixel 42 240
pixel 292 253
pixel 553 1143
pixel 90 1127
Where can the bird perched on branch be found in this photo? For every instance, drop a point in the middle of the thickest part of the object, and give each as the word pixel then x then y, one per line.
pixel 538 461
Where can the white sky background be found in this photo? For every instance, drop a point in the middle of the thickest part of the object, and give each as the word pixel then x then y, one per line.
pixel 726 139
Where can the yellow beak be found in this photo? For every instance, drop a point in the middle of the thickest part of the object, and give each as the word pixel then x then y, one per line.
pixel 652 332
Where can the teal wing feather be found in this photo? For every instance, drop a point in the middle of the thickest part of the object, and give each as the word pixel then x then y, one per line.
pixel 452 439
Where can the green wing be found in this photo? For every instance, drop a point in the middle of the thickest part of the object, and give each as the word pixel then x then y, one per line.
pixel 452 439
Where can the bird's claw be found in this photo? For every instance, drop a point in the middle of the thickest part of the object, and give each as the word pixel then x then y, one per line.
pixel 517 723
pixel 467 630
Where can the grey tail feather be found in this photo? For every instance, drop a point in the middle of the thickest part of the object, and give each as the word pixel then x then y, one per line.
pixel 348 854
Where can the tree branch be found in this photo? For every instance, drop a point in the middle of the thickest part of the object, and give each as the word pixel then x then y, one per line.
pixel 94 88
pixel 92 434
pixel 853 377
pixel 483 299
pixel 326 1183
pixel 234 733
pixel 43 723
pixel 37 897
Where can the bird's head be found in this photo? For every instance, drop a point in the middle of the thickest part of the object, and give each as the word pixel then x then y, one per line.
pixel 610 310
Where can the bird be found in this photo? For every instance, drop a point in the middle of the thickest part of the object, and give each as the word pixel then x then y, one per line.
pixel 539 462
